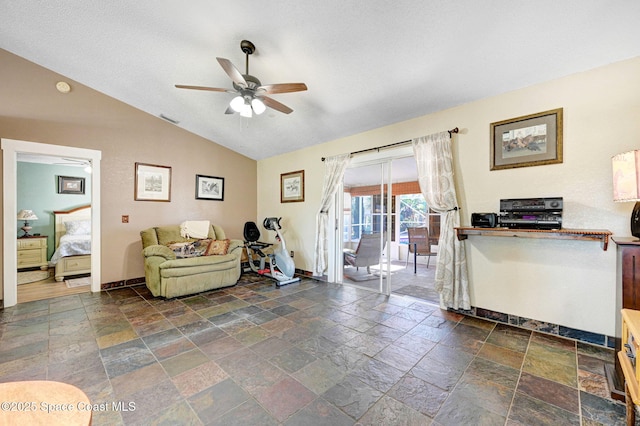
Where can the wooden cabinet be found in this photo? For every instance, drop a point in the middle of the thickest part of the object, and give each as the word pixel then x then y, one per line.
pixel 628 297
pixel 32 252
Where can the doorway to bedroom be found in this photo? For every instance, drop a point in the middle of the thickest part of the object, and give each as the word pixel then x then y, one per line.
pixel 45 242
pixel 31 253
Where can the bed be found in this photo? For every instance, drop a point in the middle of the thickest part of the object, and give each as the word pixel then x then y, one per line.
pixel 73 242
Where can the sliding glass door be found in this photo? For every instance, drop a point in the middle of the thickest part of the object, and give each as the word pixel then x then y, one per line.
pixel 381 196
pixel 368 226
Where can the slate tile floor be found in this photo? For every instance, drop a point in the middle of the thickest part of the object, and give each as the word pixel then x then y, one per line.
pixel 309 353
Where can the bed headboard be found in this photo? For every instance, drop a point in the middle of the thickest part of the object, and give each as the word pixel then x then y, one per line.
pixel 79 213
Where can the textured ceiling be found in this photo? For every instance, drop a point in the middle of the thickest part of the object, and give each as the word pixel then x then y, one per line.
pixel 366 63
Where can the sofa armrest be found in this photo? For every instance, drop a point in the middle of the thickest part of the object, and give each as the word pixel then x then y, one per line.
pixel 159 250
pixel 154 256
pixel 235 245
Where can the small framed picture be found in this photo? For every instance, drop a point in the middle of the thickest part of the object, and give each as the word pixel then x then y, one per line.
pixel 292 187
pixel 209 188
pixel 153 183
pixel 70 185
pixel 532 140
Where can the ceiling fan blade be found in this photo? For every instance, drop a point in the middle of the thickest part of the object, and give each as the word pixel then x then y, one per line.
pixel 282 88
pixel 211 89
pixel 272 103
pixel 233 72
pixel 229 110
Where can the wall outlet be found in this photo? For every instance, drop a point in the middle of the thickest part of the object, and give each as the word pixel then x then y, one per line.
pixel 125 218
pixel 291 253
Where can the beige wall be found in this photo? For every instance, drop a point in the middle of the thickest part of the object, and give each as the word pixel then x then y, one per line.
pixel 32 110
pixel 571 283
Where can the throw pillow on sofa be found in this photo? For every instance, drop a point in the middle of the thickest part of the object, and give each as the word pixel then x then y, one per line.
pixel 190 248
pixel 218 247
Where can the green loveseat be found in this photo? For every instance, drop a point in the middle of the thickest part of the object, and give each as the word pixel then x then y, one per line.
pixel 169 276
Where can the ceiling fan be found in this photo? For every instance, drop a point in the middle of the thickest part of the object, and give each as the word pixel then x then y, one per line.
pixel 251 94
pixel 76 162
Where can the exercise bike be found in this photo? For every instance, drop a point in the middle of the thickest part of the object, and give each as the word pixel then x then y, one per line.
pixel 281 266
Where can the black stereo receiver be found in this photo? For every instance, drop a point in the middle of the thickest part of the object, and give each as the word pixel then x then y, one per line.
pixel 532 213
pixel 484 220
pixel 531 204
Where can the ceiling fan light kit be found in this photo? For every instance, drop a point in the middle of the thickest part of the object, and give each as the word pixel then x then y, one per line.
pixel 250 93
pixel 258 106
pixel 237 104
pixel 246 111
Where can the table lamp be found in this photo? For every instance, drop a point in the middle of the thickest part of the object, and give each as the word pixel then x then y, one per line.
pixel 26 215
pixel 626 184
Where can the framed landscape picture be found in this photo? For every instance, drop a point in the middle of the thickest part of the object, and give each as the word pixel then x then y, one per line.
pixel 209 188
pixel 153 182
pixel 70 185
pixel 292 187
pixel 531 140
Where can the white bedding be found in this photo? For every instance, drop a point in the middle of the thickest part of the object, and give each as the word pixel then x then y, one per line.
pixel 71 245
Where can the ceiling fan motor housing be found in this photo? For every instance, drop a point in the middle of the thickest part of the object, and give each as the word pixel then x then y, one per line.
pixel 252 83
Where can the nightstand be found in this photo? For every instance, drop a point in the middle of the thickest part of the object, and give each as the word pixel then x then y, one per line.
pixel 32 252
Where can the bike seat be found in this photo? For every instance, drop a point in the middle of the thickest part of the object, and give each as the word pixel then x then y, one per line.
pixel 251 232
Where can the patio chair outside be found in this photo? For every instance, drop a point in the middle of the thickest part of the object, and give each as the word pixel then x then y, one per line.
pixel 419 245
pixel 368 252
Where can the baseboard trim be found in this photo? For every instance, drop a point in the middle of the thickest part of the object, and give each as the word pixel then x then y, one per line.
pixel 541 326
pixel 122 283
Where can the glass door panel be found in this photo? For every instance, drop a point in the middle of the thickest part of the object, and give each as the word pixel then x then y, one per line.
pixel 367 226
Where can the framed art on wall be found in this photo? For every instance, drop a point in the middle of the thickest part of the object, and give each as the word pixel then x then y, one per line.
pixel 292 187
pixel 209 188
pixel 70 185
pixel 531 140
pixel 153 182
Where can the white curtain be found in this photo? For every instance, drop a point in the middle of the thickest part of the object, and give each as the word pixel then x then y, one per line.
pixel 334 168
pixel 435 175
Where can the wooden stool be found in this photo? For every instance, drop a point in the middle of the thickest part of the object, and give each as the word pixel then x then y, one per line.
pixel 43 402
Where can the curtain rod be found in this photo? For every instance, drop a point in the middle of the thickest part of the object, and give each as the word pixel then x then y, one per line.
pixel 454 130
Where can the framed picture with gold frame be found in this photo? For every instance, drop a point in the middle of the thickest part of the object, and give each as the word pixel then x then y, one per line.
pixel 292 187
pixel 153 182
pixel 531 140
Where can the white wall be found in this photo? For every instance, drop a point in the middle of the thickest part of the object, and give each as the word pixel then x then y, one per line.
pixel 571 283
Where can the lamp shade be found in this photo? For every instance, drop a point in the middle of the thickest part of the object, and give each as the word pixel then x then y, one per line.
pixel 27 215
pixel 626 184
pixel 626 176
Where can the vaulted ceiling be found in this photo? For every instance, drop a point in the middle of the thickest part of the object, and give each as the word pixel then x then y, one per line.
pixel 366 63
